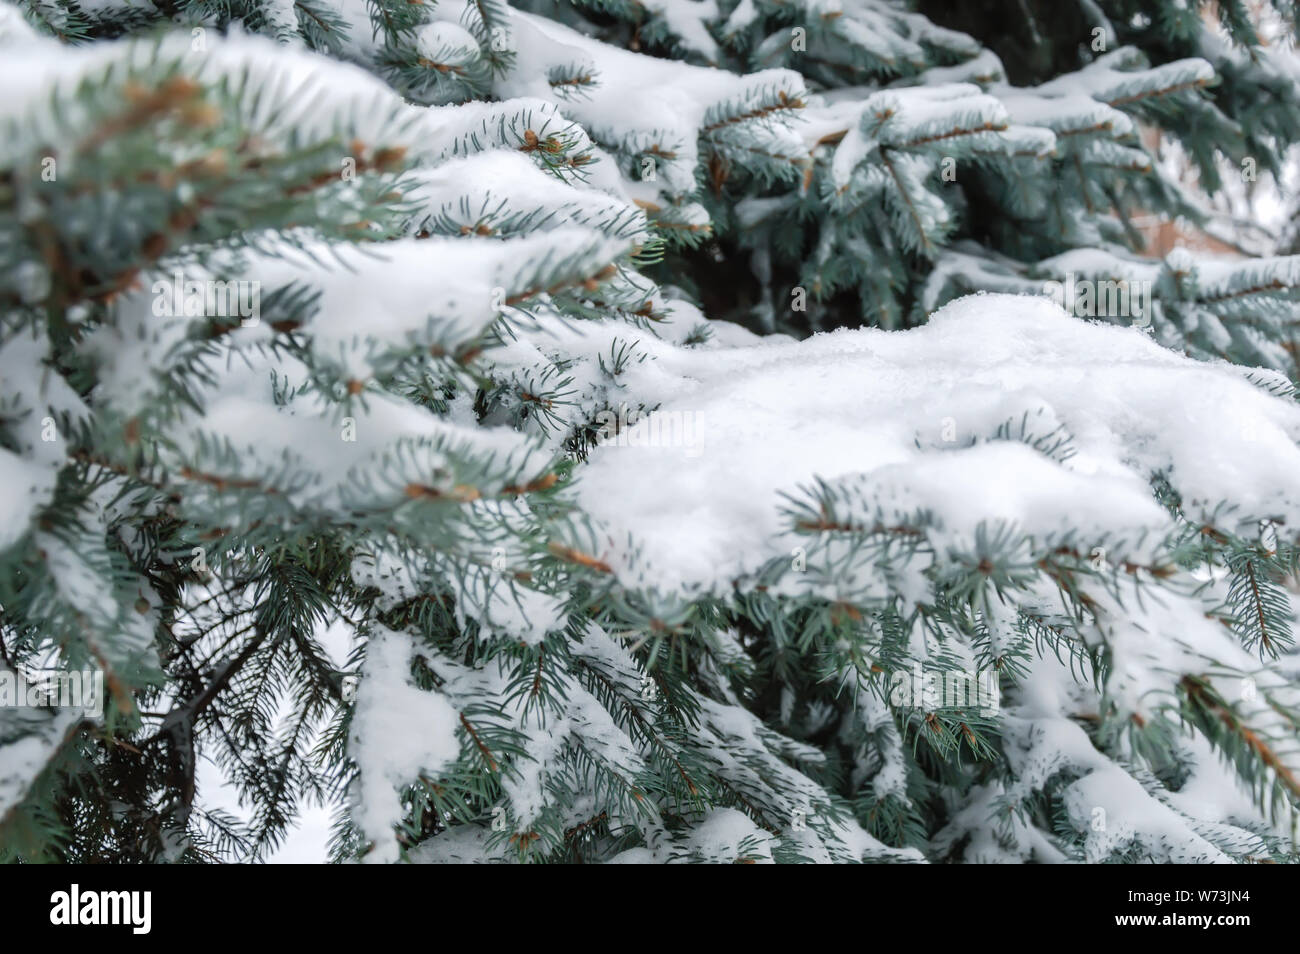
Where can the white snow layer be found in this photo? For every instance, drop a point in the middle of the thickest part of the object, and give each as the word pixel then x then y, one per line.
pixel 398 731
pixel 911 416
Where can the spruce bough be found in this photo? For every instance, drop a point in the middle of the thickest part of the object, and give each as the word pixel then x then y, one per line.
pixel 370 422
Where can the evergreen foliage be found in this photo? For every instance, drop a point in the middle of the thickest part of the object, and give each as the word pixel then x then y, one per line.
pixel 341 317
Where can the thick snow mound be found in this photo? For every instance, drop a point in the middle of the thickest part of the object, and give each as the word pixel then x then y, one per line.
pixel 1001 410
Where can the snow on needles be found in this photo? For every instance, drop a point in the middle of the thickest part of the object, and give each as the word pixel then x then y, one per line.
pixel 388 752
pixel 914 420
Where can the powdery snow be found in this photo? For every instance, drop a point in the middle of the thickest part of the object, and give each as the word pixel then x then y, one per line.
pixel 908 416
pixel 398 731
